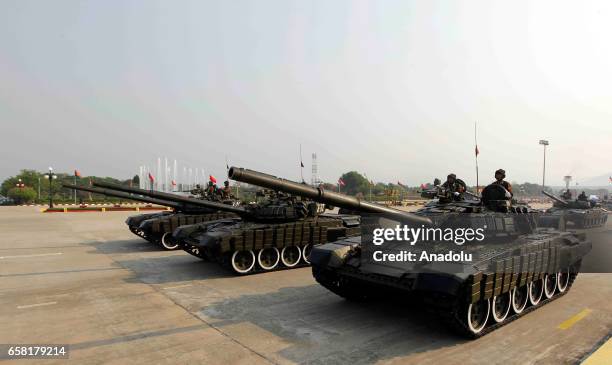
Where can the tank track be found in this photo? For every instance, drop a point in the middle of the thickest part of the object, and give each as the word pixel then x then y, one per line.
pixel 452 318
pixel 226 264
pixel 454 321
pixel 143 235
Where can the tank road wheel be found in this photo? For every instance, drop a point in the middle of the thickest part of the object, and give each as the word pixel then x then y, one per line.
pixel 268 258
pixel 550 285
pixel 536 289
pixel 290 255
pixel 501 306
pixel 562 280
pixel 477 315
pixel 167 242
pixel 520 296
pixel 243 261
pixel 306 253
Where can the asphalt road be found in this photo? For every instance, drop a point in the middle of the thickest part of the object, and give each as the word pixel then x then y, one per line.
pixel 83 279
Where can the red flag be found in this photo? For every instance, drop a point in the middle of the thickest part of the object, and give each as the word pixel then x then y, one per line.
pixel 477 151
pixel 151 178
pixel 212 178
pixel 423 186
pixel 611 179
pixel 77 173
pixel 173 183
pixel 341 182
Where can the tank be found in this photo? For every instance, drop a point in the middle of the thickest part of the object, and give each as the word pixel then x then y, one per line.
pixel 577 214
pixel 274 234
pixel 157 227
pixel 518 268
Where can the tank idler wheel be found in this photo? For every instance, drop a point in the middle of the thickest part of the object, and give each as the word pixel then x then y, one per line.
pixel 562 280
pixel 520 297
pixel 243 261
pixel 501 306
pixel 268 258
pixel 477 315
pixel 306 253
pixel 550 285
pixel 291 255
pixel 536 289
pixel 168 243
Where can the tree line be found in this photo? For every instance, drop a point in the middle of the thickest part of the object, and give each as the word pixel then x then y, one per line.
pixel 31 186
pixel 34 187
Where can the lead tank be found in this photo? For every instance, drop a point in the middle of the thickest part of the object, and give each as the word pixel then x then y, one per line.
pixel 578 214
pixel 518 267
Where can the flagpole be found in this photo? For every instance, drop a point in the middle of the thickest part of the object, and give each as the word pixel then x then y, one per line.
pixel 301 164
pixel 476 157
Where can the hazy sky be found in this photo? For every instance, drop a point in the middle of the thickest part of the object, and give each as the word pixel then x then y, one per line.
pixel 389 88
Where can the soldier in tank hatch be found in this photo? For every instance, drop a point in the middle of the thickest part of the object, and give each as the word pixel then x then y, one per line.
pixel 567 195
pixel 226 192
pixel 500 175
pixel 454 186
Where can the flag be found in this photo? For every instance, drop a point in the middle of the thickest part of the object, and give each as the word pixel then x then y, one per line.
pixel 173 183
pixel 151 178
pixel 341 182
pixel 77 173
pixel 611 179
pixel 423 186
pixel 476 151
pixel 212 178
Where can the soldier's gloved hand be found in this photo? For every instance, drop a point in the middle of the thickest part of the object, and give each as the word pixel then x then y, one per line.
pixel 456 193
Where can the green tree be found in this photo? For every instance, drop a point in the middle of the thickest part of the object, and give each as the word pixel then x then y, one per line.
pixel 28 177
pixel 354 183
pixel 22 195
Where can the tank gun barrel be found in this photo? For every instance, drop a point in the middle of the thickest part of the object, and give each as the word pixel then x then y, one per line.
pixel 322 196
pixel 172 198
pixel 122 195
pixel 558 200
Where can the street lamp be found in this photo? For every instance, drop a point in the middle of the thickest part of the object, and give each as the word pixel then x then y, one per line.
pixel 544 143
pixel 51 176
pixel 20 184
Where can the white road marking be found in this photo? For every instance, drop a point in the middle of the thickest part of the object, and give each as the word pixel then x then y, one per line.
pixel 176 287
pixel 35 305
pixel 36 255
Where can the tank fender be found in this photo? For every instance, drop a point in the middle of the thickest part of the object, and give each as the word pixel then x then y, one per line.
pixel 330 254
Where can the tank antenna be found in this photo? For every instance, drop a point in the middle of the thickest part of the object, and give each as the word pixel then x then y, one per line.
pixel 476 152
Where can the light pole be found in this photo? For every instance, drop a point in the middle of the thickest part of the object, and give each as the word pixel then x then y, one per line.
pixel 544 143
pixel 50 176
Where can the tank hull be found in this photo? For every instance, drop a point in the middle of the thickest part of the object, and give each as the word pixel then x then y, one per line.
pixel 263 246
pixel 525 263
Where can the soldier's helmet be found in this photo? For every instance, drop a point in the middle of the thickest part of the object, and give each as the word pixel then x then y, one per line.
pixel 502 172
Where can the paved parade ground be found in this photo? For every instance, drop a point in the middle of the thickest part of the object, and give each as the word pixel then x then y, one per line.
pixel 83 279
